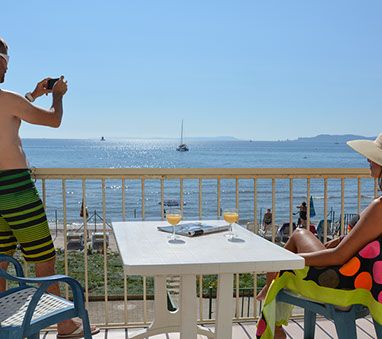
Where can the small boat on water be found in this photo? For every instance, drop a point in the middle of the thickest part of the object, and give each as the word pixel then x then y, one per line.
pixel 103 139
pixel 182 147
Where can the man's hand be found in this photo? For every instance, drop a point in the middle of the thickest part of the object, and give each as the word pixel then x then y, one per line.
pixel 41 89
pixel 60 87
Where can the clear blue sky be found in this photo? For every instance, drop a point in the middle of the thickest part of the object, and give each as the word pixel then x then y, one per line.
pixel 261 70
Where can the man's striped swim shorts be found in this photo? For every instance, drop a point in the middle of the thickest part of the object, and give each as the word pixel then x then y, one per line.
pixel 23 218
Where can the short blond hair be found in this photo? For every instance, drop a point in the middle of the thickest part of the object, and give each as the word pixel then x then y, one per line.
pixel 3 45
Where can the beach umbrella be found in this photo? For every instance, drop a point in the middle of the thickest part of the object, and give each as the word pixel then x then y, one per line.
pixel 312 211
pixel 82 210
pixel 171 202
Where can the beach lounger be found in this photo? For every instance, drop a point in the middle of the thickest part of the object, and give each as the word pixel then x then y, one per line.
pixel 320 230
pixel 284 231
pixel 75 241
pixel 268 234
pixel 251 226
pixel 97 240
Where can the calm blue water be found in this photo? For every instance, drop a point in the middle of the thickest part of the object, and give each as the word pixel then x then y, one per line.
pixel 146 153
pixel 203 154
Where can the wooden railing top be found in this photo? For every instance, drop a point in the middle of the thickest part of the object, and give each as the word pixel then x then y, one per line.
pixel 199 173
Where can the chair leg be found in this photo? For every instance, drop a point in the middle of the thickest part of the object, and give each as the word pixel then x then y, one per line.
pixel 378 329
pixel 86 326
pixel 345 326
pixel 309 324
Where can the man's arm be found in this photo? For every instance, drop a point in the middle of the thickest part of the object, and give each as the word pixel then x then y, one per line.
pixel 24 110
pixel 41 89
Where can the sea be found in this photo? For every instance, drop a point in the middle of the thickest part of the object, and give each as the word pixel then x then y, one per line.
pixel 160 153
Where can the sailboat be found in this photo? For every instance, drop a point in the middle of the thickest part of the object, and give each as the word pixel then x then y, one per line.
pixel 182 147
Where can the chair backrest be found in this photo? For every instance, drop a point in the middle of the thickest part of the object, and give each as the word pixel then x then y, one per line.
pixel 251 226
pixel 284 229
pixel 268 234
pixel 269 229
pixel 320 227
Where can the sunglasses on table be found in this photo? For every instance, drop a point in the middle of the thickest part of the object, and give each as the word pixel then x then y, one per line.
pixel 5 57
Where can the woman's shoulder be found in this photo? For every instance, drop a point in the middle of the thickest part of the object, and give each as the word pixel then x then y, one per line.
pixel 377 202
pixel 374 210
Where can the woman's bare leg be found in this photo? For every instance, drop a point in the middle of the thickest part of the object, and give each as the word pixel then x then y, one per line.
pixel 301 241
pixel 263 293
pixel 279 333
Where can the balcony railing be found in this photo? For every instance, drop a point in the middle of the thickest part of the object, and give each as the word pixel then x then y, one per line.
pixel 249 189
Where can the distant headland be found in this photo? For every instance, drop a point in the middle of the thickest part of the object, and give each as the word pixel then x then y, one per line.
pixel 331 138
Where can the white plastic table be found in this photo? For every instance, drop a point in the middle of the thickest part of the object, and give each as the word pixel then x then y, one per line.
pixel 146 251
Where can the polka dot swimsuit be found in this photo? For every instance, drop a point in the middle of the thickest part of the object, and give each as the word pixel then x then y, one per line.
pixel 363 271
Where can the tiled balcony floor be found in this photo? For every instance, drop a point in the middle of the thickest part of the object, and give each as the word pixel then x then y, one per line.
pixel 324 329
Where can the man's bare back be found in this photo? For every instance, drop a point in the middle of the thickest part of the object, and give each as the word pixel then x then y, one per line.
pixel 11 152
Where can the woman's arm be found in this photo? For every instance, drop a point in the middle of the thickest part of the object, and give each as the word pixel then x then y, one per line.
pixel 368 228
pixel 332 243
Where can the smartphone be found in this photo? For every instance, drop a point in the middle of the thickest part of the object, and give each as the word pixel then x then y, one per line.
pixel 51 83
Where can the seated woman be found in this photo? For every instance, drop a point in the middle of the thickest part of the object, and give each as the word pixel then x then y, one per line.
pixel 340 251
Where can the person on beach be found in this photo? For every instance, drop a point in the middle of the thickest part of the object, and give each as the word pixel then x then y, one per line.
pixel 267 220
pixel 22 215
pixel 339 251
pixel 303 215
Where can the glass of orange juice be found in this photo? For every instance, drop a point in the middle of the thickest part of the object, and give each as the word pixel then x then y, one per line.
pixel 230 215
pixel 173 217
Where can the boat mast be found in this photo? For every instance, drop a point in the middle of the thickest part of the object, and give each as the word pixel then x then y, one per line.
pixel 181 134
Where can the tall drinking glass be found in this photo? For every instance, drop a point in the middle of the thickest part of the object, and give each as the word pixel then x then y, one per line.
pixel 230 215
pixel 173 217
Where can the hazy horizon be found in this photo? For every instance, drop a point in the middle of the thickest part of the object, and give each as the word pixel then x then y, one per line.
pixel 219 138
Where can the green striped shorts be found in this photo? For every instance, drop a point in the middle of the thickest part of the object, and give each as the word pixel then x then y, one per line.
pixel 23 218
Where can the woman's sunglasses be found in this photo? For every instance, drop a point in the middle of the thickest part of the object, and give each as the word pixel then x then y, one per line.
pixel 5 57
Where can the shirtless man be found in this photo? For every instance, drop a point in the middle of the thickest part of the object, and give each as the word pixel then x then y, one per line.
pixel 22 214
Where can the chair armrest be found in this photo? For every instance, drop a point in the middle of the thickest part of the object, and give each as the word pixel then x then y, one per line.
pixel 22 279
pixel 46 282
pixel 51 278
pixel 16 264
